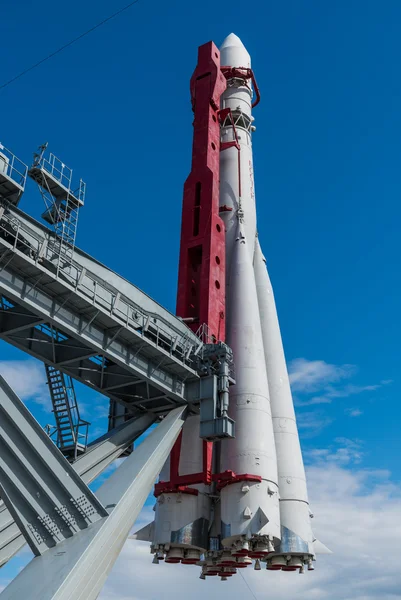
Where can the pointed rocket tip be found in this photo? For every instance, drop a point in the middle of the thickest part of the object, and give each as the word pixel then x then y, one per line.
pixel 258 256
pixel 258 250
pixel 234 53
pixel 232 40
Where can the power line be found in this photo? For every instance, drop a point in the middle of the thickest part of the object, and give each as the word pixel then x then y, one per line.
pixel 247 584
pixel 70 43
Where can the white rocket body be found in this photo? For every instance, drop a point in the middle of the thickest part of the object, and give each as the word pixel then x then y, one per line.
pixel 237 97
pixel 182 521
pixel 263 510
pixel 261 400
pixel 296 532
pixel 249 510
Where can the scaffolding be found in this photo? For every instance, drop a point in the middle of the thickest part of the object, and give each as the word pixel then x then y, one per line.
pixel 62 201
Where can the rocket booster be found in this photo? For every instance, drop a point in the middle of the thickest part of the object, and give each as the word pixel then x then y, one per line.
pixel 250 502
pixel 296 533
pixel 249 505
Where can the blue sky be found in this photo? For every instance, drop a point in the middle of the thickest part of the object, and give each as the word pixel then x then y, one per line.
pixel 115 107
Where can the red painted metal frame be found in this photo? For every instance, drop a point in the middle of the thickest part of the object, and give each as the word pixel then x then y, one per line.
pixel 201 275
pixel 229 477
pixel 242 73
pixel 180 483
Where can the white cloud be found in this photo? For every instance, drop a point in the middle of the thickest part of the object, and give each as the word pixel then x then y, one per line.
pixel 311 423
pixel 314 401
pixel 27 378
pixel 354 412
pixel 350 390
pixel 356 516
pixel 343 452
pixel 316 376
pixel 311 375
pixel 95 407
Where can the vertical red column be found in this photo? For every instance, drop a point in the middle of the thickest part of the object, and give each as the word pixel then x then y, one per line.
pixel 201 277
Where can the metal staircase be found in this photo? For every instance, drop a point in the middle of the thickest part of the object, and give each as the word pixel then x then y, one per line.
pixel 62 202
pixel 70 430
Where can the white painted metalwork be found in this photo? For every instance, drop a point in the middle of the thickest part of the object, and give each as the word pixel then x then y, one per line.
pixel 91 323
pixel 13 174
pixel 296 531
pixel 76 567
pixel 100 454
pixel 55 182
pixel 49 501
pixel 248 508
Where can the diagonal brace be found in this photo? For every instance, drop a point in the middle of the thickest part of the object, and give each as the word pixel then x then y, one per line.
pixel 46 497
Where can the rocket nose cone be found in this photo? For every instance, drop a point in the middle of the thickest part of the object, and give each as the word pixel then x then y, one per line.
pixel 233 52
pixel 258 254
pixel 232 40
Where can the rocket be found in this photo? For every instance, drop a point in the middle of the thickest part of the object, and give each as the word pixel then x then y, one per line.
pixel 241 501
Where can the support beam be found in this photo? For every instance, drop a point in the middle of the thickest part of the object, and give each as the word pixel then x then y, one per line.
pixel 99 455
pixel 78 567
pixel 17 319
pixel 42 491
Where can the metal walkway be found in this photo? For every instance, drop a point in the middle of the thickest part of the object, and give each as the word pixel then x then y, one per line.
pixel 92 324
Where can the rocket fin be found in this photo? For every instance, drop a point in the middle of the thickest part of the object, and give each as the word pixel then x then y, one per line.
pixel 145 534
pixel 320 548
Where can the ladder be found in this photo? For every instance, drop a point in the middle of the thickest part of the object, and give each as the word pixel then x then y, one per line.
pixel 71 431
pixel 62 202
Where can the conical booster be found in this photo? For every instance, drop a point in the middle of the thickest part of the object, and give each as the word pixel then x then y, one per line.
pixel 296 533
pixel 249 503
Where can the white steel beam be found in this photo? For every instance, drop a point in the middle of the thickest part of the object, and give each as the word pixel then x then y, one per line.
pixel 100 454
pixel 77 568
pixel 42 491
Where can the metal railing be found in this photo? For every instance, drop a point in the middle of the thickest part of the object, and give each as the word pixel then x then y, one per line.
pixel 12 166
pixel 60 173
pixel 152 326
pixel 57 169
pixel 81 434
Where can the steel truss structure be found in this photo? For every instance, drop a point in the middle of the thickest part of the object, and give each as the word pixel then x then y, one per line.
pixel 88 323
pixel 74 534
pixel 92 324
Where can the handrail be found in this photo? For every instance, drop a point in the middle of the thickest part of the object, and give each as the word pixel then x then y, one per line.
pixel 105 297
